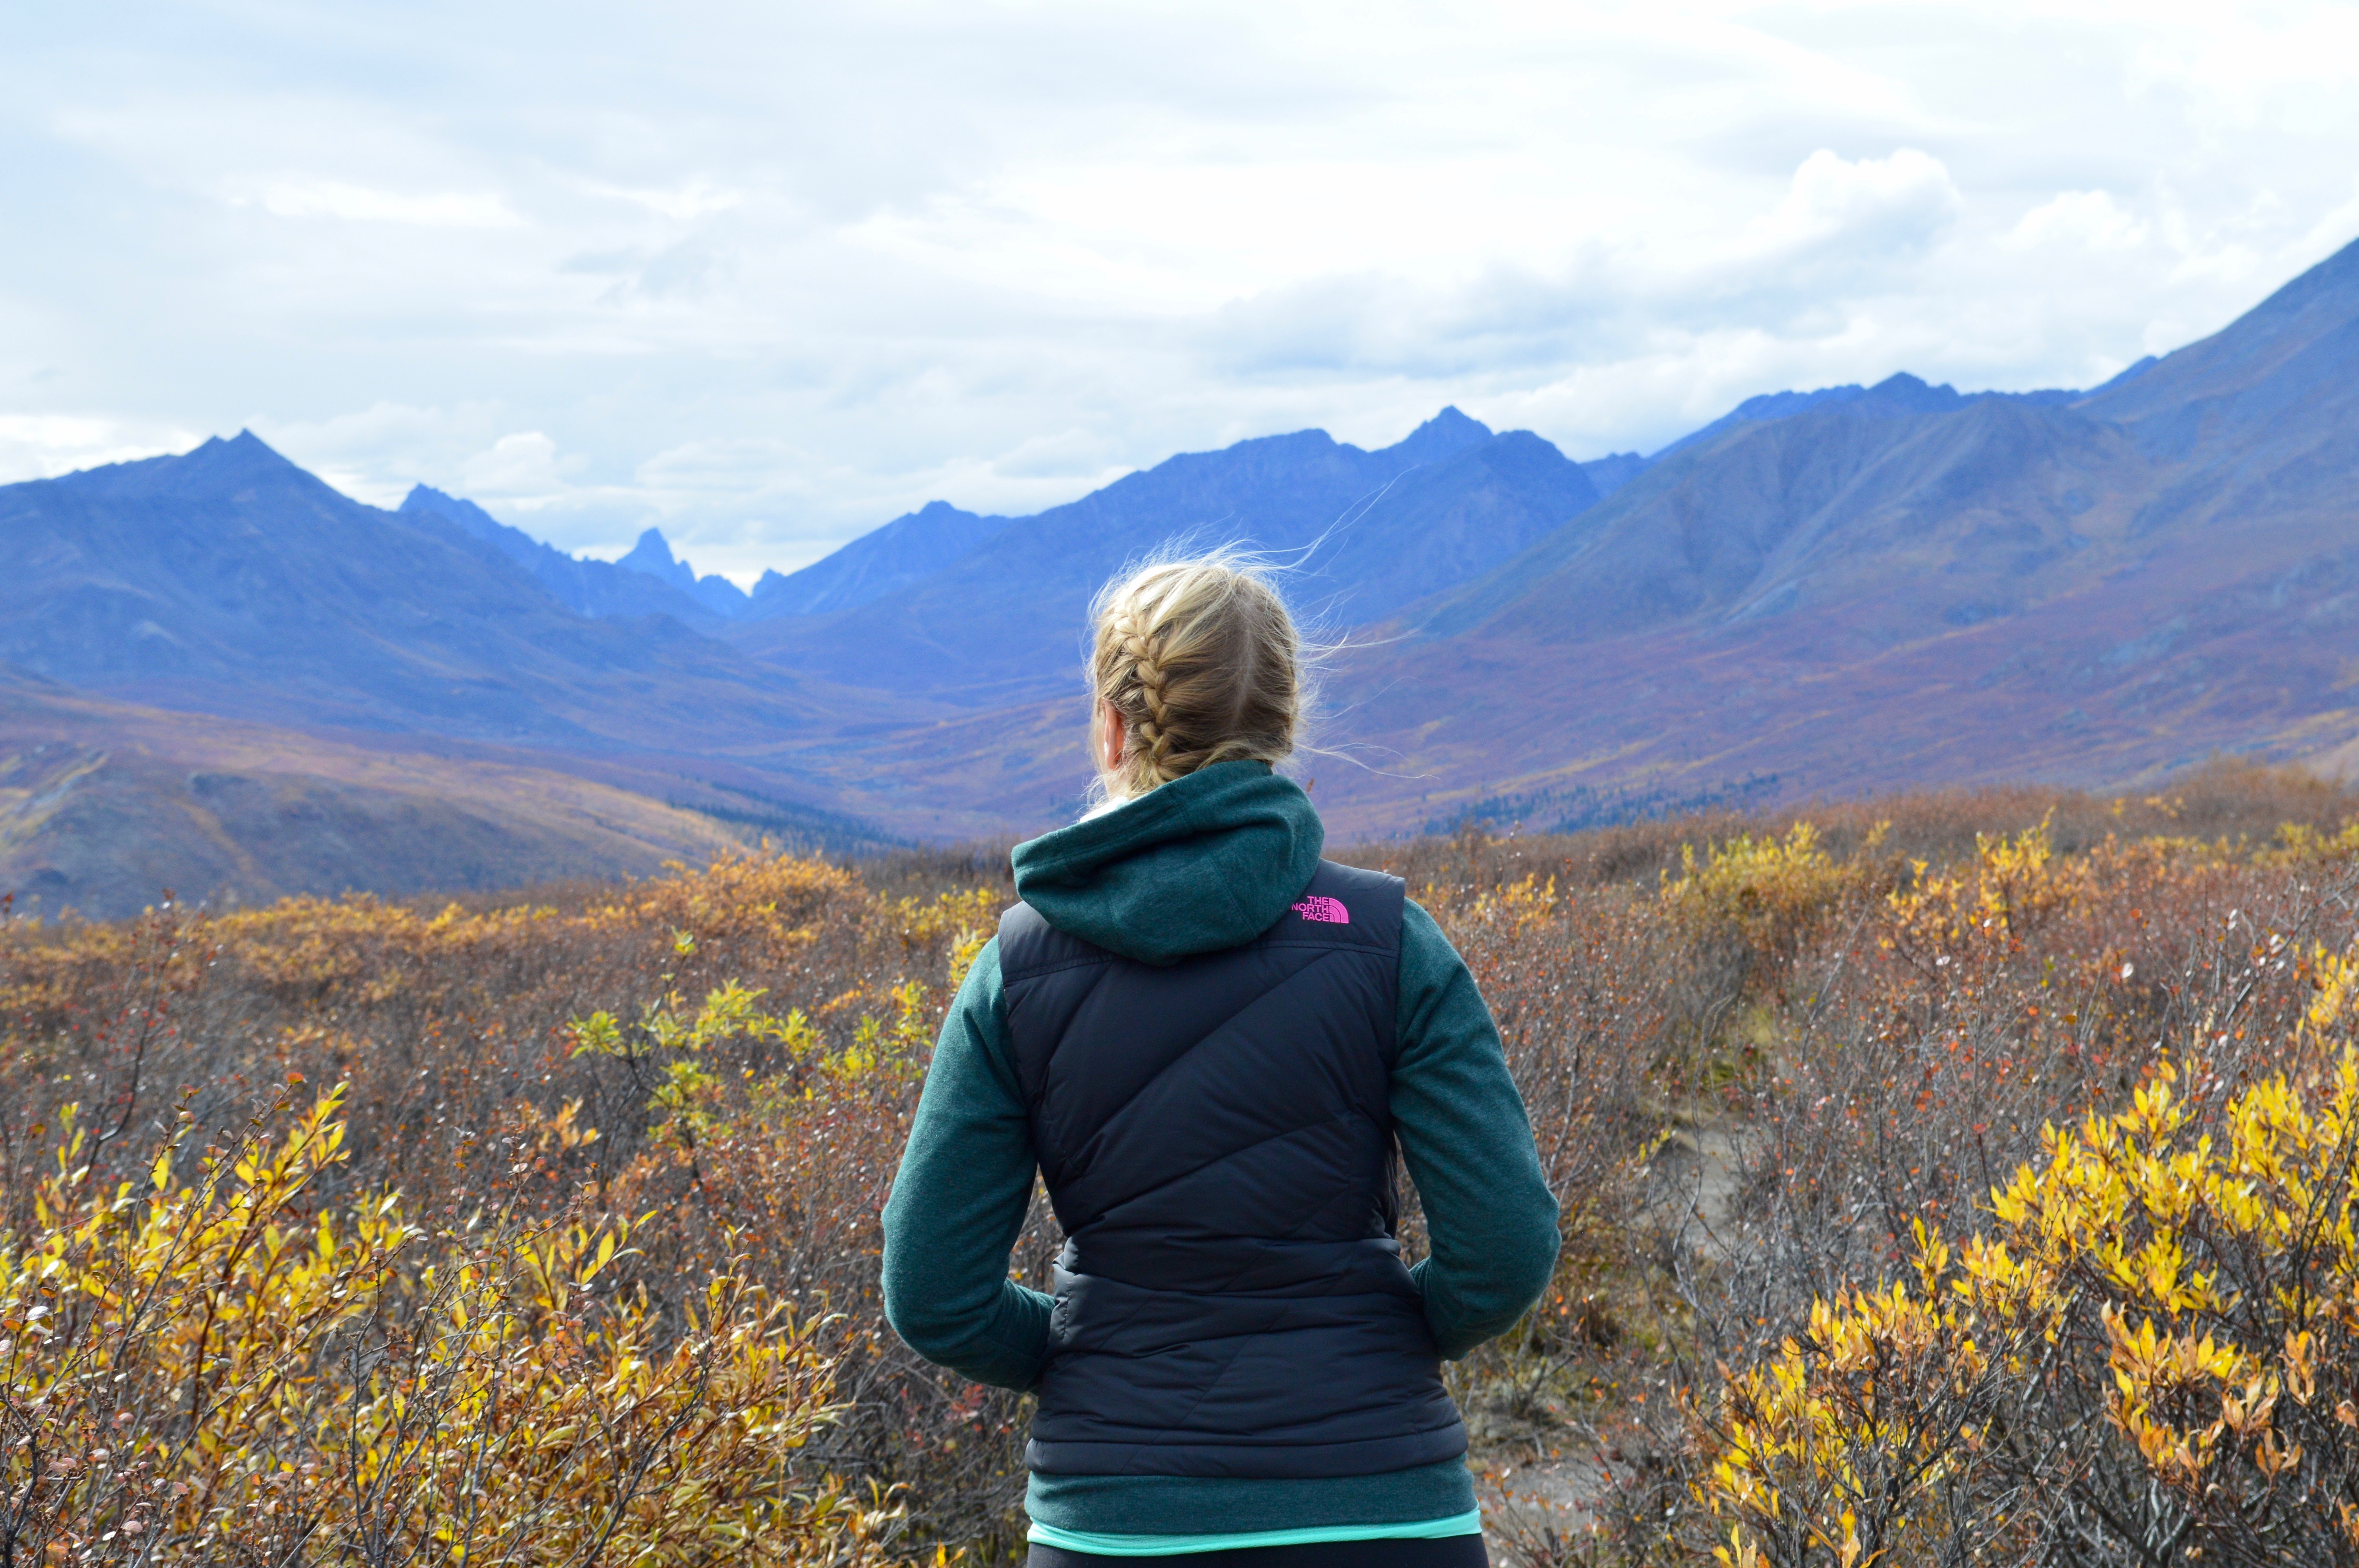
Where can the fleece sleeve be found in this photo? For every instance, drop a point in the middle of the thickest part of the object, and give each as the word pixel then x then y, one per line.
pixel 959 1199
pixel 1468 1145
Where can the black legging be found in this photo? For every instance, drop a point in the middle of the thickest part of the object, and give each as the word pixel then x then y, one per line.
pixel 1447 1551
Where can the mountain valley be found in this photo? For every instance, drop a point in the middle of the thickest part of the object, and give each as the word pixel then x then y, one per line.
pixel 1821 594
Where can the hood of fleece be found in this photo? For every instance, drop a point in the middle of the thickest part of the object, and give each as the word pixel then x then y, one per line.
pixel 1207 862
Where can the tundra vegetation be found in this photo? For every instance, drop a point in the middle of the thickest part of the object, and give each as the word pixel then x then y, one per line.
pixel 1957 1178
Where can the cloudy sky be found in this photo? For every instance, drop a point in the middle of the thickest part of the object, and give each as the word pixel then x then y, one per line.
pixel 767 274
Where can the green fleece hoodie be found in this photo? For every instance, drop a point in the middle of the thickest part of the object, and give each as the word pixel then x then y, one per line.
pixel 1207 863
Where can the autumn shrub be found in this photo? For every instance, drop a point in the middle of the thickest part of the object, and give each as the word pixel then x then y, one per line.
pixel 2150 1353
pixel 216 1369
pixel 1966 1010
pixel 766 1023
pixel 1756 1051
pixel 793 1164
pixel 1768 895
pixel 1981 1005
pixel 1566 977
pixel 1852 1030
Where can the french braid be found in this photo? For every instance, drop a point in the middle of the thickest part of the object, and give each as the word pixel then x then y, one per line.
pixel 1152 723
pixel 1199 657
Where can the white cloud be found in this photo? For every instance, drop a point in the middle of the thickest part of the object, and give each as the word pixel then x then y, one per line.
pixel 2085 219
pixel 521 467
pixel 769 276
pixel 697 199
pixel 43 445
pixel 374 454
pixel 2243 67
pixel 1905 202
pixel 301 197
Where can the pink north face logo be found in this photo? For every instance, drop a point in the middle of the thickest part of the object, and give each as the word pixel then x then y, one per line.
pixel 1329 911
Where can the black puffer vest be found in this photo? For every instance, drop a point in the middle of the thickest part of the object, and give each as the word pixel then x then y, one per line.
pixel 1218 1144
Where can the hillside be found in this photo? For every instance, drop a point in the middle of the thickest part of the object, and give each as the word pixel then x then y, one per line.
pixel 104 806
pixel 906 550
pixel 1867 519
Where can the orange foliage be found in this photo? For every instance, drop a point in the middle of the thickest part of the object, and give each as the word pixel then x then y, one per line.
pixel 1872 1019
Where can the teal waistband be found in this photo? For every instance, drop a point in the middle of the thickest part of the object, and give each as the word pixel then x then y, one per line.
pixel 1102 1544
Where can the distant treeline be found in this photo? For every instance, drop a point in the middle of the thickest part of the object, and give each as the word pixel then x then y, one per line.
pixel 793 826
pixel 1576 808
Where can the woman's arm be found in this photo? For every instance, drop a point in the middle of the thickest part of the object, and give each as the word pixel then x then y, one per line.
pixel 960 1198
pixel 1468 1142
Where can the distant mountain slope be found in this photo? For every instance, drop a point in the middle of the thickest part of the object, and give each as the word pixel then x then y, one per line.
pixel 1366 531
pixel 909 549
pixel 228 580
pixel 1853 597
pixel 1885 516
pixel 1612 471
pixel 1905 521
pixel 2185 651
pixel 1892 398
pixel 2261 417
pixel 1441 523
pixel 104 806
pixel 601 588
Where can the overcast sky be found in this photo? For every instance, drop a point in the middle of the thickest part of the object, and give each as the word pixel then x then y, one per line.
pixel 767 274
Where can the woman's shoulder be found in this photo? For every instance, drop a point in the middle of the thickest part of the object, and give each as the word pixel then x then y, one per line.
pixel 1368 904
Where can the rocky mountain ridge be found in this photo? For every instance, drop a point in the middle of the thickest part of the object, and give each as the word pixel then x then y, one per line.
pixel 1852 588
pixel 1357 534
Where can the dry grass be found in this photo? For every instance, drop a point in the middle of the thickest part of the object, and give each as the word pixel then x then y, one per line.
pixel 1855 1026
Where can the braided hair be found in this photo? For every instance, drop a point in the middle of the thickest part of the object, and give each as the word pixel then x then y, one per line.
pixel 1201 661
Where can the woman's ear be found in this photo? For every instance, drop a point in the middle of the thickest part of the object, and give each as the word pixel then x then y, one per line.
pixel 1113 736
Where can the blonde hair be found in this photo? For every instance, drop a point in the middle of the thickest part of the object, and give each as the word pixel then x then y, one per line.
pixel 1201 661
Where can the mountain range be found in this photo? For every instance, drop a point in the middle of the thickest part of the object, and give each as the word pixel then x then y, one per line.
pixel 1359 535
pixel 1870 592
pixel 1830 591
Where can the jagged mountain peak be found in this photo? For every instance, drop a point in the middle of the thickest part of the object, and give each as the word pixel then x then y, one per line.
pixel 214 469
pixel 426 498
pixel 244 452
pixel 1444 435
pixel 1899 395
pixel 1612 471
pixel 652 555
pixel 991 607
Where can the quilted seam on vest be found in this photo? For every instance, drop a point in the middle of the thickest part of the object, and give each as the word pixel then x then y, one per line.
pixel 1217 1141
